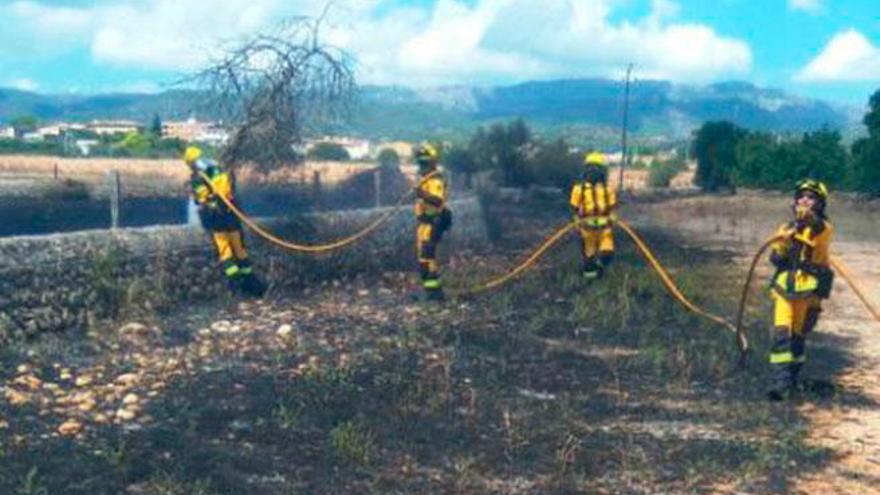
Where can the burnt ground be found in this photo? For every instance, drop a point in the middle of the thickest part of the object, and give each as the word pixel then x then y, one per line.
pixel 548 385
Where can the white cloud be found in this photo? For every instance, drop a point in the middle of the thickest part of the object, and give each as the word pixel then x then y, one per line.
pixel 510 40
pixel 452 41
pixel 23 84
pixel 810 6
pixel 848 57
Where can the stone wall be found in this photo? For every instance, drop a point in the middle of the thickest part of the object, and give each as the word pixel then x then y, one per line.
pixel 56 282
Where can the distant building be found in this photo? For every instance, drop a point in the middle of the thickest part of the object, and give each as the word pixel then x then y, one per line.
pixel 7 133
pixel 50 131
pixel 191 129
pixel 110 127
pixel 85 146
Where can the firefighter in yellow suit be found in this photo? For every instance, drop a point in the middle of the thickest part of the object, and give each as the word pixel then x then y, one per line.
pixel 593 203
pixel 224 226
pixel 802 279
pixel 433 218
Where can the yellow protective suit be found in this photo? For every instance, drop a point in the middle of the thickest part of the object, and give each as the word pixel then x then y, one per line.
pixel 802 279
pixel 594 203
pixel 432 216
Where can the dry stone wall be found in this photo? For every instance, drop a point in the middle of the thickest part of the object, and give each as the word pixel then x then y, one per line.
pixel 56 282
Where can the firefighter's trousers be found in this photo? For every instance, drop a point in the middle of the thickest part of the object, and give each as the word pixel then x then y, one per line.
pixel 793 319
pixel 426 251
pixel 597 249
pixel 232 253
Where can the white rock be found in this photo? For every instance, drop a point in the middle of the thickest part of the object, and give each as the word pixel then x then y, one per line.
pixel 284 331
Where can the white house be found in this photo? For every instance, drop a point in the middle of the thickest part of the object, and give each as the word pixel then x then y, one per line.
pixel 105 127
pixel 85 146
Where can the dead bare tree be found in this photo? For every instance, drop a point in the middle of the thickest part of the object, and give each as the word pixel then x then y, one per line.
pixel 274 87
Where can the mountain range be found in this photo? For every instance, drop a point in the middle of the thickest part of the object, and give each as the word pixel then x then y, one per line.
pixel 657 108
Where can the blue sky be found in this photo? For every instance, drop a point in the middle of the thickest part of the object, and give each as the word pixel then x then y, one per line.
pixel 819 48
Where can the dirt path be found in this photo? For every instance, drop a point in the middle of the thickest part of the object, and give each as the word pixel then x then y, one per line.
pixel 851 427
pixel 848 424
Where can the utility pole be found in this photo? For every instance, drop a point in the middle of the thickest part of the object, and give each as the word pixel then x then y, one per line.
pixel 623 154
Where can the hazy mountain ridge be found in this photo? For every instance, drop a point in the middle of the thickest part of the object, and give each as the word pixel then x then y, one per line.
pixel 656 107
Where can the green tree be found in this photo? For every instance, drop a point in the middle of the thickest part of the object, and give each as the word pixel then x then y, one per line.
pixel 715 150
pixel 823 157
pixel 480 151
pixel 156 126
pixel 872 118
pixel 503 148
pixel 866 151
pixel 756 161
pixel 661 173
pixel 388 158
pixel 329 152
pixel 459 160
pixel 554 164
pixel 136 144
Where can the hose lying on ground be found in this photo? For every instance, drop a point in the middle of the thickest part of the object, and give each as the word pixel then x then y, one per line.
pixel 526 264
pixel 312 248
pixel 741 340
pixel 844 272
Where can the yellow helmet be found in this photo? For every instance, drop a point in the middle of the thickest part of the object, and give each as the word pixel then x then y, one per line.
pixel 594 158
pixel 814 186
pixel 427 154
pixel 192 154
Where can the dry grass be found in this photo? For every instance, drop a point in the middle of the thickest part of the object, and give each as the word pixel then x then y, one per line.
pixel 33 175
pixel 751 216
pixel 637 180
pixel 551 385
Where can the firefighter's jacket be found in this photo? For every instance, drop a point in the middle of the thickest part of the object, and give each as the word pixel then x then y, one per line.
pixel 593 201
pixel 431 196
pixel 213 213
pixel 802 261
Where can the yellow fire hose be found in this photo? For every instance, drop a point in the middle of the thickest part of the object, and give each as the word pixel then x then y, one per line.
pixel 856 287
pixel 527 263
pixel 835 263
pixel 643 249
pixel 741 340
pixel 743 299
pixel 312 248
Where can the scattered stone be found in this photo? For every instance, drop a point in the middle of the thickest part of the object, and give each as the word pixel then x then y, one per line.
pixel 23 368
pixel 134 328
pixel 125 414
pixel 221 326
pixel 87 405
pixel 70 428
pixel 83 380
pixel 127 379
pixel 130 399
pixel 31 382
pixel 16 398
pixel 284 331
